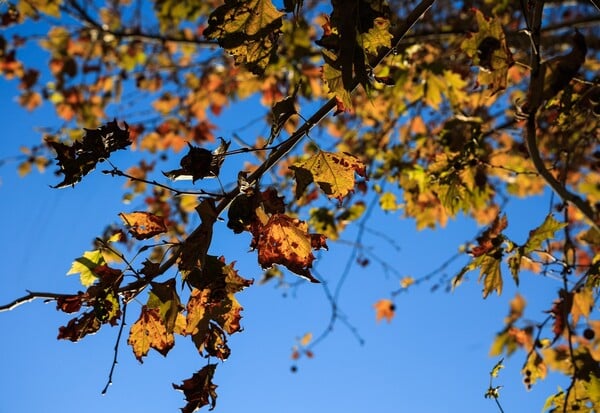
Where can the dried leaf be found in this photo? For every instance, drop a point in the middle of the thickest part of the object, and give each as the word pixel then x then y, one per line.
pixel 199 390
pixel 144 225
pixel 80 158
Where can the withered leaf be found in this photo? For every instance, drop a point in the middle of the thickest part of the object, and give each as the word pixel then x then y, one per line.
pixel 199 390
pixel 164 297
pixel 491 237
pixel 281 112
pixel 148 332
pixel 77 160
pixel 80 327
pixel 200 163
pixel 143 225
pixel 384 308
pixel 286 241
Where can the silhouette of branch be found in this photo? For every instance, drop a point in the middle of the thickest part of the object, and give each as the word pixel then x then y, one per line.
pixel 535 101
pixel 30 297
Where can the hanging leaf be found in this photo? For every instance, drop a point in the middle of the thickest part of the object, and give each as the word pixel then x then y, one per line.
pixel 148 332
pixel 286 241
pixel 490 274
pixel 378 36
pixel 491 237
pixel 248 30
pixel 77 160
pixel 164 297
pixel 199 390
pixel 333 172
pixel 80 327
pixel 542 233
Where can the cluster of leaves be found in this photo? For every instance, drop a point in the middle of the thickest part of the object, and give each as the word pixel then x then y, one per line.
pixel 422 119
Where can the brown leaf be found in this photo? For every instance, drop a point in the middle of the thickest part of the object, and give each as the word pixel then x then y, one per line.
pixel 80 327
pixel 491 237
pixel 144 225
pixel 199 390
pixel 286 241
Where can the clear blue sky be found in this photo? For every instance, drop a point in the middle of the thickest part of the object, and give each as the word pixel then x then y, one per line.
pixel 433 357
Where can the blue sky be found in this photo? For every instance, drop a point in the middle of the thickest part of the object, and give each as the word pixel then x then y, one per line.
pixel 433 357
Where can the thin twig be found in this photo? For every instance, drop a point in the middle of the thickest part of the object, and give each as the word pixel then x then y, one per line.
pixel 30 297
pixel 114 363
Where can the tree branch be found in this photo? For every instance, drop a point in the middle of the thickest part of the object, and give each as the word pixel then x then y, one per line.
pixel 534 102
pixel 30 297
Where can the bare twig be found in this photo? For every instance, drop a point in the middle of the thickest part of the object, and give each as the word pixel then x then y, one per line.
pixel 114 363
pixel 30 297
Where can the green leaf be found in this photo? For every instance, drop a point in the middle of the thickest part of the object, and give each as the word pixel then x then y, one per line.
pixel 542 233
pixel 86 265
pixel 248 30
pixel 335 85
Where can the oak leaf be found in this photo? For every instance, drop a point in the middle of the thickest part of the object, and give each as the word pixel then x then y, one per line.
pixel 144 225
pixel 248 30
pixel 332 172
pixel 148 332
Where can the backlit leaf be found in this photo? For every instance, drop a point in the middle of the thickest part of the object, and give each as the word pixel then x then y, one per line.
pixel 583 302
pixel 286 241
pixel 86 265
pixel 149 332
pixel 248 30
pixel 491 275
pixel 542 233
pixel 144 225
pixel 534 369
pixel 378 36
pixel 332 172
pixel 164 297
pixel 80 327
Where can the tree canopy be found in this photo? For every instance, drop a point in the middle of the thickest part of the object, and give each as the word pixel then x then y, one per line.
pixel 433 109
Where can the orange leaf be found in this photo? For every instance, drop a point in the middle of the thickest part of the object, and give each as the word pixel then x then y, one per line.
pixel 384 308
pixel 144 225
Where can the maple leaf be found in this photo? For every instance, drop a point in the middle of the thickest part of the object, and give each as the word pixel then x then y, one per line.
pixel 248 30
pixel 80 158
pixel 286 241
pixel 80 327
pixel 384 308
pixel 144 225
pixel 488 49
pixel 86 265
pixel 332 172
pixel 490 274
pixel 200 163
pixel 335 85
pixel 378 36
pixel 164 297
pixel 148 332
pixel 199 390
pixel 542 233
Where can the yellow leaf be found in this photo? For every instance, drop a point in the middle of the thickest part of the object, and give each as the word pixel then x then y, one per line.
pixel 583 302
pixel 333 172
pixel 490 274
pixel 387 201
pixel 378 36
pixel 149 332
pixel 86 265
pixel 306 338
pixel 407 282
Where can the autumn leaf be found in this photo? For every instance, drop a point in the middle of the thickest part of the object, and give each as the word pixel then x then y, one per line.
pixel 332 172
pixel 583 303
pixel 491 237
pixel 542 233
pixel 80 327
pixel 200 163
pixel 199 390
pixel 144 225
pixel 335 85
pixel 86 265
pixel 248 30
pixel 378 36
pixel 164 297
pixel 488 49
pixel 490 274
pixel 148 332
pixel 534 369
pixel 384 308
pixel 77 160
pixel 286 241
